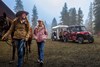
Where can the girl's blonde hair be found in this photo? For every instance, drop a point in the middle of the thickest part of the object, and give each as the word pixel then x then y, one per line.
pixel 42 23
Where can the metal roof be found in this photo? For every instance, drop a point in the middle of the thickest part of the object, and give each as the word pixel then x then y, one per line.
pixel 60 26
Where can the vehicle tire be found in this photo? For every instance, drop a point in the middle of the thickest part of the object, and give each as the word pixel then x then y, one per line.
pixel 80 40
pixel 73 41
pixel 91 40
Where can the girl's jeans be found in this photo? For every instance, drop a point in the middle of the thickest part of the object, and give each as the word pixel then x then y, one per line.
pixel 40 46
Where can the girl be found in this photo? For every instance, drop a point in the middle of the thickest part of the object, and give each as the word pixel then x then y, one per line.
pixel 40 34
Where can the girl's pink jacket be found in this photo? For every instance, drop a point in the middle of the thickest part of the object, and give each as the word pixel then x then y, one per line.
pixel 40 35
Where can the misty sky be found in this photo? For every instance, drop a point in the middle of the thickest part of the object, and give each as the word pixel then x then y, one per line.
pixel 48 9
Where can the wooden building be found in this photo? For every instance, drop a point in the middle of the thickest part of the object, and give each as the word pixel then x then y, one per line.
pixel 7 10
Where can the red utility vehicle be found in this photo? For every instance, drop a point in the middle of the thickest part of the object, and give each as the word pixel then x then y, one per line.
pixel 78 34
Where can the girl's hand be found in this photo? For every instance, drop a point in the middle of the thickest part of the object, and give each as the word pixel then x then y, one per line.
pixel 44 37
pixel 35 38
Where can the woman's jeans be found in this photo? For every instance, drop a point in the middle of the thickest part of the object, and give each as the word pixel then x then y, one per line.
pixel 20 43
pixel 40 50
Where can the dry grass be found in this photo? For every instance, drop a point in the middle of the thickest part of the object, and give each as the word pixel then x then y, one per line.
pixel 58 54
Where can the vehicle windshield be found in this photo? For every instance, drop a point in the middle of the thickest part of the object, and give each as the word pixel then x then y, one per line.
pixel 78 29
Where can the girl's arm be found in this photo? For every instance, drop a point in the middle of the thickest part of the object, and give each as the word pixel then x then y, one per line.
pixel 46 34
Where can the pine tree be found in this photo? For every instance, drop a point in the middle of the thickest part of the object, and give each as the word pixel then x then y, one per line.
pixel 97 15
pixel 80 17
pixel 65 15
pixel 46 25
pixel 34 17
pixel 90 18
pixel 19 6
pixel 73 16
pixel 54 22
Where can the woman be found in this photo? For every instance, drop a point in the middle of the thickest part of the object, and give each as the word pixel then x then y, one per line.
pixel 20 29
pixel 40 34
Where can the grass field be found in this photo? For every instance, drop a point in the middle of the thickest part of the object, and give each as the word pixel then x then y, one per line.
pixel 58 54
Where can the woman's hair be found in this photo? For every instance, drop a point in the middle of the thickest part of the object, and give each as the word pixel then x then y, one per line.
pixel 26 19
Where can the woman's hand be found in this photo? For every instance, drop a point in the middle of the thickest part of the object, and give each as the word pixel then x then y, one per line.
pixel 26 39
pixel 4 38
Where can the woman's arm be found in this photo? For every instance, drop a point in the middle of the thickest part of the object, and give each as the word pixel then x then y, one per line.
pixel 34 34
pixel 28 31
